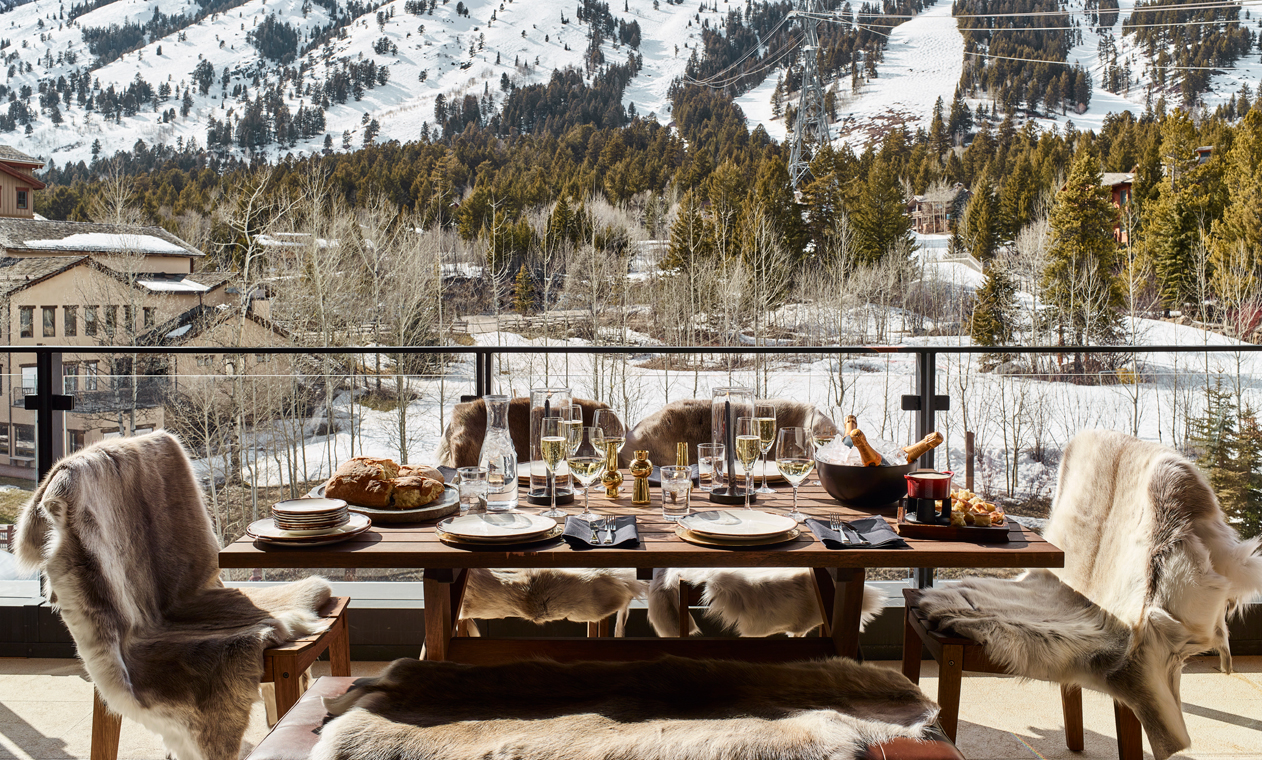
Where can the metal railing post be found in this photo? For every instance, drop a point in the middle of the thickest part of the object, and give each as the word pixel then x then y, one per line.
pixel 482 373
pixel 50 407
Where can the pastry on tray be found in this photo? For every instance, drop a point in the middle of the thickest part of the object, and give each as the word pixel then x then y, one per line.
pixel 424 470
pixel 412 491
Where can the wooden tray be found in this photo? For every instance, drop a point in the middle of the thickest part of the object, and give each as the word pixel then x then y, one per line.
pixel 992 534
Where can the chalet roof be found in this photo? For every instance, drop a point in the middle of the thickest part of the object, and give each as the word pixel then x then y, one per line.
pixel 17 273
pixel 39 235
pixel 18 157
pixel 1113 179
pixel 196 321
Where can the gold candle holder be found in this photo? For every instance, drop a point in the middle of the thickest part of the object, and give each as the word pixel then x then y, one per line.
pixel 612 479
pixel 641 468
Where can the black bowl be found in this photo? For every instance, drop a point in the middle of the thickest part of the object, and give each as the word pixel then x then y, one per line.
pixel 865 487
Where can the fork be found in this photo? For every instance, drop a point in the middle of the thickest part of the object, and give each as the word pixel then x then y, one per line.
pixel 597 527
pixel 838 524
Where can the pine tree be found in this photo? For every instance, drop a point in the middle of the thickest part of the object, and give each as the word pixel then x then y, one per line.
pixel 1171 229
pixel 880 220
pixel 939 140
pixel 995 309
pixel 981 220
pixel 524 291
pixel 1238 234
pixel 774 196
pixel 689 243
pixel 1080 281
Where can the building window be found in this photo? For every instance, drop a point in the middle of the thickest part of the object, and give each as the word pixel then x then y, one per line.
pixel 49 315
pixel 205 361
pixel 150 314
pixel 23 197
pixel 75 440
pixel 4 438
pixel 70 321
pixel 24 441
pixel 26 321
pixel 89 320
pixel 129 324
pixel 70 378
pixel 30 379
pixel 111 320
pixel 89 373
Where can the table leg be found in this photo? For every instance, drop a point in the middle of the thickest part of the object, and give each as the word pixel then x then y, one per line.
pixel 847 609
pixel 825 597
pixel 685 613
pixel 444 593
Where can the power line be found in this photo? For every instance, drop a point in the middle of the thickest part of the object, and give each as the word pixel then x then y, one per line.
pixel 1076 63
pixel 1032 14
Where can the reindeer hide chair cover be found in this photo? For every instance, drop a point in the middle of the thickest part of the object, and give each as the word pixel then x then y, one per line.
pixel 121 533
pixel 1151 572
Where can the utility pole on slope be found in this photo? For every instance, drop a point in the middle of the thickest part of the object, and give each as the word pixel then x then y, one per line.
pixel 810 125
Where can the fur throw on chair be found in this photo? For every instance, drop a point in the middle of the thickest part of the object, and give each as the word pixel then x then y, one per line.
pixel 1151 571
pixel 689 421
pixel 461 445
pixel 546 594
pixel 753 601
pixel 668 709
pixel 121 533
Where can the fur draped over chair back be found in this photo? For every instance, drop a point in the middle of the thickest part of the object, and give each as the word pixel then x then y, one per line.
pixel 689 421
pixel 668 709
pixel 461 444
pixel 751 601
pixel 125 543
pixel 1151 572
pixel 546 594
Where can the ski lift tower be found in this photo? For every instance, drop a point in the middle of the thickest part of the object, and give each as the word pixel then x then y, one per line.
pixel 810 125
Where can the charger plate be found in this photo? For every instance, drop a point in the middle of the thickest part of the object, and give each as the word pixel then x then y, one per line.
pixel 695 538
pixel 502 527
pixel 741 524
pixel 453 540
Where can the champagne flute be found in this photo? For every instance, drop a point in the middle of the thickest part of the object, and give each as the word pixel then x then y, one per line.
pixel 587 462
pixel 612 431
pixel 795 456
pixel 765 414
pixel 572 424
pixel 747 447
pixel 554 448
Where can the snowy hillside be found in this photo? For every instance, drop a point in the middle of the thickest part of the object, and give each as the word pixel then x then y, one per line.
pixel 438 51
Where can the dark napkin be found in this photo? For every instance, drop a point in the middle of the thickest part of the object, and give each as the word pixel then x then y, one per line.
pixel 579 534
pixel 655 478
pixel 864 533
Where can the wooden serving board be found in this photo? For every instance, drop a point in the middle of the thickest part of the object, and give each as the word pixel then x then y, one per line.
pixel 996 534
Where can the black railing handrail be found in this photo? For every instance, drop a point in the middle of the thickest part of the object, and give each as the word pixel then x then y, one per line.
pixel 623 349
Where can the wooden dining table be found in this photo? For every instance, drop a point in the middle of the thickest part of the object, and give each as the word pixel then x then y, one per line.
pixel 838 573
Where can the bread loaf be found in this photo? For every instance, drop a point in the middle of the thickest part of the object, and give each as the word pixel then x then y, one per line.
pixel 425 471
pixel 412 491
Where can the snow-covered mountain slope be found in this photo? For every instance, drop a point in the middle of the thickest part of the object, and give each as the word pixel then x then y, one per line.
pixel 438 51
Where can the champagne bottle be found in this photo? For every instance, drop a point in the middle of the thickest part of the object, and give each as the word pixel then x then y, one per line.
pixel 851 424
pixel 928 443
pixel 868 454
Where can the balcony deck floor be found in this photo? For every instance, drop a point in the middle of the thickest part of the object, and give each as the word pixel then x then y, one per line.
pixel 46 714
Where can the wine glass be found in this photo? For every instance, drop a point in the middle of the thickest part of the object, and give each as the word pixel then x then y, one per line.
pixel 765 414
pixel 748 446
pixel 587 461
pixel 822 438
pixel 795 456
pixel 554 448
pixel 572 424
pixel 612 431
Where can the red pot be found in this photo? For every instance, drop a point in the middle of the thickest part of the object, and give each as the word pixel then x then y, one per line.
pixel 929 485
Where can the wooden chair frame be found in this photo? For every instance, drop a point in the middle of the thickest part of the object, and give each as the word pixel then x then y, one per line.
pixel 283 666
pixel 956 655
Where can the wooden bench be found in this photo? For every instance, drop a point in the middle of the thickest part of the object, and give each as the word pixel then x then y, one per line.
pixel 297 733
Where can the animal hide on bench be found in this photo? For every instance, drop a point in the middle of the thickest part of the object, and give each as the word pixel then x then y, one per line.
pixel 1151 571
pixel 689 421
pixel 121 533
pixel 461 444
pixel 751 601
pixel 546 594
pixel 669 709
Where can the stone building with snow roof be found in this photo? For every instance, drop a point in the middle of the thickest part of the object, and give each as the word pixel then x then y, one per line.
pixel 82 284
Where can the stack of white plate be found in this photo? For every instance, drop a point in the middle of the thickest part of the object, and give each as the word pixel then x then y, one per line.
pixel 503 528
pixel 308 522
pixel 310 514
pixel 739 527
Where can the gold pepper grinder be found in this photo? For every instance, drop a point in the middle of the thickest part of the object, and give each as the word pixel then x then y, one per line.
pixel 641 468
pixel 612 479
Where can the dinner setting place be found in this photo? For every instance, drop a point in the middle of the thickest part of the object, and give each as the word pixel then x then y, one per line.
pixel 602 533
pixel 722 527
pixel 497 528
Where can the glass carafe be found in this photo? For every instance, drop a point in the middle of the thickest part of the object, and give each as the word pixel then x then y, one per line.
pixel 499 457
pixel 547 402
pixel 727 405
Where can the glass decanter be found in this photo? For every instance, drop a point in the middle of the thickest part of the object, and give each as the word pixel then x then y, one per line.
pixel 499 457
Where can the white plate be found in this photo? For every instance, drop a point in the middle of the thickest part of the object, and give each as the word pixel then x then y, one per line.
pixel 266 530
pixel 309 506
pixel 506 525
pixel 737 523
